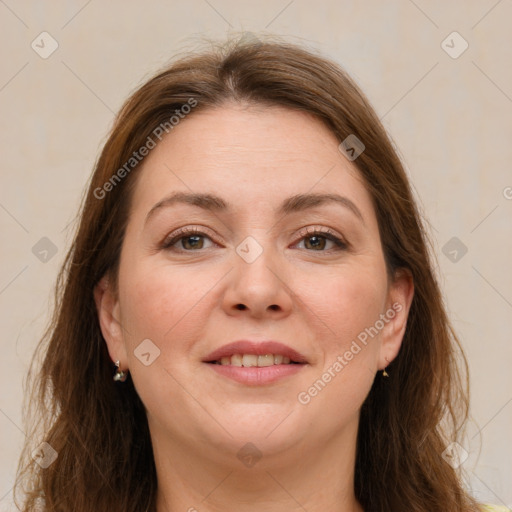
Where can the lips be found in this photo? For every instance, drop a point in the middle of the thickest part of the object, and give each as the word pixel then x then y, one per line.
pixel 255 348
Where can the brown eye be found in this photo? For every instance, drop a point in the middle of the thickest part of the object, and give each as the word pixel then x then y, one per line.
pixel 189 240
pixel 317 240
pixel 193 242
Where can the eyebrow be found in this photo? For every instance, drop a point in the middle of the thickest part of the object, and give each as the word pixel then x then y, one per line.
pixel 296 203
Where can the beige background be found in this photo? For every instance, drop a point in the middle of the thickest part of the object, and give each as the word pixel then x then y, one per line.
pixel 451 120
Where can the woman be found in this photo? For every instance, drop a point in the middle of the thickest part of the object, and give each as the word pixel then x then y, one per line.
pixel 248 318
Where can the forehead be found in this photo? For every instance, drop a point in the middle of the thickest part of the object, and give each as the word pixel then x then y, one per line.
pixel 250 156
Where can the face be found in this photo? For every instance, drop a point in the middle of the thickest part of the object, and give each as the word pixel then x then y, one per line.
pixel 255 263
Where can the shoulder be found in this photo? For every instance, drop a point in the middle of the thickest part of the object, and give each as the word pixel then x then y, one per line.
pixel 494 508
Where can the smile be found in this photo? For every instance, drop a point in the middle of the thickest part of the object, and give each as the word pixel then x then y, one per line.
pixel 253 360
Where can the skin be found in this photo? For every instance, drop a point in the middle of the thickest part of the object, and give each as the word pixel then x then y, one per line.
pixel 314 298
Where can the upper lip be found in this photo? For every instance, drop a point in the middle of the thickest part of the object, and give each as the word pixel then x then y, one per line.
pixel 256 348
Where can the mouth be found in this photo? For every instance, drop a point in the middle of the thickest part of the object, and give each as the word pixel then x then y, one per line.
pixel 253 360
pixel 256 363
pixel 247 353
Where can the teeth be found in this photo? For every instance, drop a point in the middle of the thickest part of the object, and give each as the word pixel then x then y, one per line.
pixel 251 360
pixel 267 360
pixel 236 360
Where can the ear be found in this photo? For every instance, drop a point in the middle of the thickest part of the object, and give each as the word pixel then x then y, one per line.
pixel 107 306
pixel 400 295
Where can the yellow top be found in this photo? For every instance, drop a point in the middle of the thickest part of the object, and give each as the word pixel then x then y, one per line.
pixel 495 508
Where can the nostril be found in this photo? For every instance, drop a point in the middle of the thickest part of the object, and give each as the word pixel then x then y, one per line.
pixel 241 306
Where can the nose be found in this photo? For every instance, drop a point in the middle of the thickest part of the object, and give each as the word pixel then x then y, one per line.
pixel 259 289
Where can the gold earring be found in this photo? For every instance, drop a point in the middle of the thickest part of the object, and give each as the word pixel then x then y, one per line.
pixel 119 375
pixel 384 372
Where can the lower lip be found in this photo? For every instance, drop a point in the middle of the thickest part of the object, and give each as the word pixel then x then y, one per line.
pixel 257 375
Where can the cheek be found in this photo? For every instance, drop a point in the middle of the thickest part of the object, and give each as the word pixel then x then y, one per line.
pixel 159 301
pixel 343 379
pixel 345 302
pixel 170 305
pixel 351 305
pixel 349 302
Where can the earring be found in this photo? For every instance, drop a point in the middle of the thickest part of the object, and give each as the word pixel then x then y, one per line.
pixel 384 372
pixel 119 375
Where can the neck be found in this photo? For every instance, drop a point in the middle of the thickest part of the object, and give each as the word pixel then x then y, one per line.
pixel 308 478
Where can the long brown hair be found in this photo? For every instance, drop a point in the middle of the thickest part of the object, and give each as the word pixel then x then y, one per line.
pixel 99 429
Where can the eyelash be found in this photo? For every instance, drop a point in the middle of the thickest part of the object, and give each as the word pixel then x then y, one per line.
pixel 315 232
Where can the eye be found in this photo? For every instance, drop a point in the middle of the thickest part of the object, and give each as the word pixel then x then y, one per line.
pixel 317 239
pixel 190 238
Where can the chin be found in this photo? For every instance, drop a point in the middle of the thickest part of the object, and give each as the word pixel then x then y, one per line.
pixel 250 446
